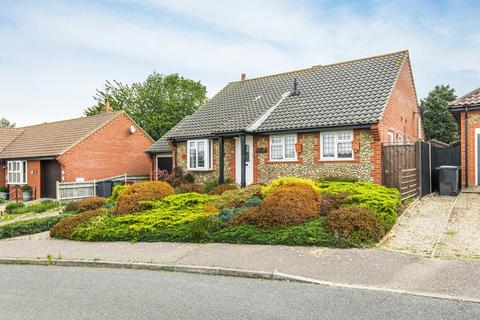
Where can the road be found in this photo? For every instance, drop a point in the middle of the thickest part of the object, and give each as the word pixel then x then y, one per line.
pixel 35 292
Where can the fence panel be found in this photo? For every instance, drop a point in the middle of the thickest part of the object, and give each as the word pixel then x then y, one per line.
pixel 443 156
pixel 75 190
pixel 399 163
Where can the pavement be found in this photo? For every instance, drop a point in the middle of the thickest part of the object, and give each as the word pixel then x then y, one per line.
pixel 34 292
pixel 367 268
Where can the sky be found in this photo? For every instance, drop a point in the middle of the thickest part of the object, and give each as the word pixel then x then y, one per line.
pixel 55 54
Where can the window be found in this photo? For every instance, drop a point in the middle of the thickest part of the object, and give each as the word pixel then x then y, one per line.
pixel 17 172
pixel 282 147
pixel 336 145
pixel 391 137
pixel 198 154
pixel 400 139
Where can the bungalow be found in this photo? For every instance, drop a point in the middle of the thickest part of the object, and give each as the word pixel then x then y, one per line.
pixel 466 110
pixel 327 120
pixel 82 149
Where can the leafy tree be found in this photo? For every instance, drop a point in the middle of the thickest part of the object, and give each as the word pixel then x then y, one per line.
pixel 438 122
pixel 4 123
pixel 157 104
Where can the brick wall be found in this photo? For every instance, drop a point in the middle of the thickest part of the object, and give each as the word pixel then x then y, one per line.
pixel 33 179
pixel 401 114
pixel 473 123
pixel 3 171
pixel 110 151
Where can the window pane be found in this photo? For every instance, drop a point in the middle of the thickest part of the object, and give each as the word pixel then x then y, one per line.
pixel 276 152
pixel 328 145
pixel 290 147
pixel 201 154
pixel 277 140
pixel 193 158
pixel 345 150
pixel 345 136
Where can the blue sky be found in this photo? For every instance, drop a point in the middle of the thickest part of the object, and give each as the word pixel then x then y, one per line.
pixel 54 54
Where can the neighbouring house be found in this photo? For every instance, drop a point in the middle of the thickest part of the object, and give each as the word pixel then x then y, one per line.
pixel 327 120
pixel 82 149
pixel 466 110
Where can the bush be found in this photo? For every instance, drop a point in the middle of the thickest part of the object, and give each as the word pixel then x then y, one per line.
pixel 117 190
pixel 311 233
pixel 179 177
pixel 190 187
pixel 64 228
pixel 237 198
pixel 26 187
pixel 354 226
pixel 287 205
pixel 221 188
pixel 329 202
pixel 21 228
pixel 287 180
pixel 13 206
pixel 72 206
pixel 340 179
pixel 226 214
pixel 92 203
pixel 129 199
pixel 201 229
pixel 36 207
pixel 3 189
pixel 212 183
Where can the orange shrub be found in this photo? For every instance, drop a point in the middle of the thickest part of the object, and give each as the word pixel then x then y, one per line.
pixel 129 200
pixel 221 188
pixel 64 228
pixel 333 201
pixel 287 205
pixel 191 187
pixel 92 203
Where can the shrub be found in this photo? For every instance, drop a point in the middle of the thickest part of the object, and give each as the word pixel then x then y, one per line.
pixel 117 190
pixel 340 179
pixel 354 226
pixel 237 198
pixel 26 187
pixel 92 203
pixel 3 189
pixel 202 228
pixel 129 199
pixel 12 206
pixel 221 188
pixel 287 205
pixel 2 201
pixel 226 214
pixel 64 228
pixel 25 227
pixel 190 187
pixel 36 207
pixel 329 202
pixel 178 177
pixel 286 180
pixel 212 183
pixel 72 206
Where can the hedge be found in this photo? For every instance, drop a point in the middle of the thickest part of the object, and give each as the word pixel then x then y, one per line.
pixel 32 226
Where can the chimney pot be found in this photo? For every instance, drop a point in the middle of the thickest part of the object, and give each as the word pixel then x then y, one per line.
pixel 107 108
pixel 243 76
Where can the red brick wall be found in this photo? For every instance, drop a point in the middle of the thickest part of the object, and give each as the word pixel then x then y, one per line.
pixel 3 170
pixel 401 114
pixel 33 179
pixel 473 123
pixel 110 151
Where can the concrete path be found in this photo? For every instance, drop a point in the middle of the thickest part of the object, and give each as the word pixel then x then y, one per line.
pixel 366 267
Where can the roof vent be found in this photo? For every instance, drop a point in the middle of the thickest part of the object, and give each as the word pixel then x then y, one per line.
pixel 295 91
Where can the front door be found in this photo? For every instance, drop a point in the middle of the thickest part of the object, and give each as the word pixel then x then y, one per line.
pixel 50 174
pixel 249 160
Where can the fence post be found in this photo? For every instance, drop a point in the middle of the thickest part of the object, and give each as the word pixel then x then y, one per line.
pixel 94 188
pixel 418 154
pixel 58 190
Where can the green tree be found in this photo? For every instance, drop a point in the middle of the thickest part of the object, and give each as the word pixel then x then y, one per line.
pixel 157 104
pixel 4 123
pixel 438 122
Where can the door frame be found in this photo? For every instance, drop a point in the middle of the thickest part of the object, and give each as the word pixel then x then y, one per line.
pixel 249 167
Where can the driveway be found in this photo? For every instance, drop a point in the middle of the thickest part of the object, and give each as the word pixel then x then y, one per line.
pixel 438 226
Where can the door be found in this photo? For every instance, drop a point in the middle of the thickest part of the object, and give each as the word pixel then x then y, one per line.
pixel 477 157
pixel 248 162
pixel 164 164
pixel 50 174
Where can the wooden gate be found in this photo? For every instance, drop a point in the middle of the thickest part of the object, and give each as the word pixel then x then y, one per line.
pixel 399 169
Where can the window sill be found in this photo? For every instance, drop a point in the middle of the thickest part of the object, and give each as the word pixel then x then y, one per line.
pixel 293 161
pixel 338 161
pixel 199 170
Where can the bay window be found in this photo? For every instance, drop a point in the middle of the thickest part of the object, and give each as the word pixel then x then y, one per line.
pixel 17 172
pixel 336 145
pixel 199 155
pixel 282 147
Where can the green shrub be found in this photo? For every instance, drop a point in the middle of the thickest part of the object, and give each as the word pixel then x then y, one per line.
pixel 190 187
pixel 72 206
pixel 36 207
pixel 12 206
pixel 212 183
pixel 2 201
pixel 226 214
pixel 340 179
pixel 237 198
pixel 92 203
pixel 221 188
pixel 311 233
pixel 130 199
pixel 354 226
pixel 3 189
pixel 64 228
pixel 117 190
pixel 286 205
pixel 26 227
pixel 286 180
pixel 201 229
pixel 26 187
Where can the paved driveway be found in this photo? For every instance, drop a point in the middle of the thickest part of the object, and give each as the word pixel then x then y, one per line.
pixel 447 227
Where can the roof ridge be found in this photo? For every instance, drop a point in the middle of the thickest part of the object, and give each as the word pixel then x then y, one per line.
pixel 65 120
pixel 465 96
pixel 321 66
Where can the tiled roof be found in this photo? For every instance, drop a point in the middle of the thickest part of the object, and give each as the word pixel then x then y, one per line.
pixel 8 135
pixel 160 146
pixel 350 93
pixel 52 139
pixel 470 99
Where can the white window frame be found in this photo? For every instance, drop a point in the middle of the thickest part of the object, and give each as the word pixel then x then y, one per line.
pixel 391 137
pixel 283 137
pixel 336 142
pixel 400 139
pixel 208 155
pixel 22 171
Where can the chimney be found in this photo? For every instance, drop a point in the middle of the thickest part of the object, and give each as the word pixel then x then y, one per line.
pixel 107 108
pixel 243 76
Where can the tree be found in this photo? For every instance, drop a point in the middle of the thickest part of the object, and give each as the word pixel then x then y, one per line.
pixel 4 123
pixel 438 122
pixel 157 104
